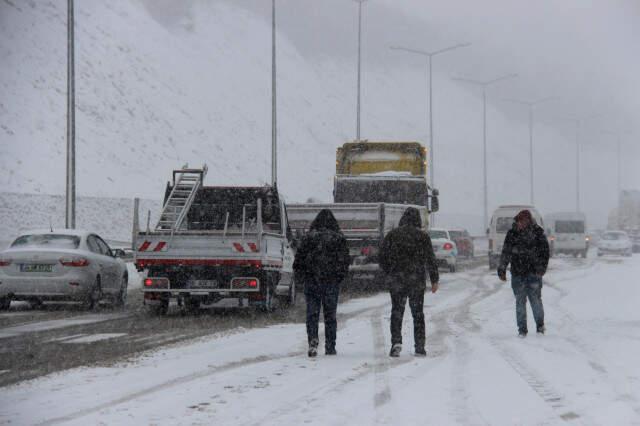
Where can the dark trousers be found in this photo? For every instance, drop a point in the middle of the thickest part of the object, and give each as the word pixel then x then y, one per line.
pixel 399 298
pixel 528 286
pixel 325 298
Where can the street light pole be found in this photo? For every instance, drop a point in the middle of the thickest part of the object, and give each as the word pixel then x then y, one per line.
pixel 358 101
pixel 70 216
pixel 274 112
pixel 531 105
pixel 484 84
pixel 429 56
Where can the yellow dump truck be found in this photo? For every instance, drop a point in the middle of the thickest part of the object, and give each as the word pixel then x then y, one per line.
pixel 375 183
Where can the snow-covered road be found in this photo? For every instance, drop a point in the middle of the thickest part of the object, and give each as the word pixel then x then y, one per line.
pixel 583 371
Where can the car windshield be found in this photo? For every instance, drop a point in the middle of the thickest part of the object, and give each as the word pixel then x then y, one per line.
pixel 438 234
pixel 612 236
pixel 569 227
pixel 456 234
pixel 47 240
pixel 504 224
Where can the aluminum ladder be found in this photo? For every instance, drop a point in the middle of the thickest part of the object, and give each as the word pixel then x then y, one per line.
pixel 186 183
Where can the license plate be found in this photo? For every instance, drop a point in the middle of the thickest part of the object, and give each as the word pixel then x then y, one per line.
pixel 35 268
pixel 203 284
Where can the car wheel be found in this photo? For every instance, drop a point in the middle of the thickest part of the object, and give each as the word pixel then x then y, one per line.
pixel 191 305
pixel 5 303
pixel 94 296
pixel 121 298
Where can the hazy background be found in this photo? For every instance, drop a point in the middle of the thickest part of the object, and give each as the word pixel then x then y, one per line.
pixel 163 82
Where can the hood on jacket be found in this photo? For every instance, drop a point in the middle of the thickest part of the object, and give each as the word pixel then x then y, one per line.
pixel 411 217
pixel 325 221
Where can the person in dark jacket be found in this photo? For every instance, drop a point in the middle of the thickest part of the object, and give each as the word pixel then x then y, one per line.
pixel 527 250
pixel 321 264
pixel 405 256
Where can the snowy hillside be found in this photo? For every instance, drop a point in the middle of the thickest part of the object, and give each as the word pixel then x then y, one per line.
pixel 155 92
pixel 112 218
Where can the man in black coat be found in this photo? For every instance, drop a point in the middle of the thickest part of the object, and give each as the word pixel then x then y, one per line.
pixel 405 255
pixel 527 250
pixel 321 264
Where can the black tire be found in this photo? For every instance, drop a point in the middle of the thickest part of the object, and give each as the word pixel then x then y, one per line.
pixel 290 298
pixel 267 306
pixel 584 254
pixel 93 298
pixel 191 305
pixel 452 268
pixel 160 309
pixel 120 299
pixel 5 303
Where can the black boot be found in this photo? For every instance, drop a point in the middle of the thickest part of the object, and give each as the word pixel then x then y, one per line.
pixel 313 348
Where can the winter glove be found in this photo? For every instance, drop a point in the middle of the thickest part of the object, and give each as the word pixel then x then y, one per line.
pixel 502 274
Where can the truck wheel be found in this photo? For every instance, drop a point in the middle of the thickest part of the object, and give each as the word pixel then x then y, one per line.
pixel 160 309
pixel 191 305
pixel 492 263
pixel 5 303
pixel 267 305
pixel 292 295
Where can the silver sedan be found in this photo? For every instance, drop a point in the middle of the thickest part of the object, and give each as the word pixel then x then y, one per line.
pixel 62 265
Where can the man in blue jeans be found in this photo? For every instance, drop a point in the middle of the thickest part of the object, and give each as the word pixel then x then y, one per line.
pixel 527 250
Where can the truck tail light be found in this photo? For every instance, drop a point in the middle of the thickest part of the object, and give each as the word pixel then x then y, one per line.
pixel 245 283
pixel 75 262
pixel 369 251
pixel 447 246
pixel 5 262
pixel 156 283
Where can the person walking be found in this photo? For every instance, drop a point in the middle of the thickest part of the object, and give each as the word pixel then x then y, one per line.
pixel 405 256
pixel 527 250
pixel 321 264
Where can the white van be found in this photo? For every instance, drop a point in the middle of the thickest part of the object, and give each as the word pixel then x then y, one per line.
pixel 501 223
pixel 567 233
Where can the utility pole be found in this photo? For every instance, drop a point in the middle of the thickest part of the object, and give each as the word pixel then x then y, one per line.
pixel 274 112
pixel 70 216
pixel 484 84
pixel 359 101
pixel 429 56
pixel 531 105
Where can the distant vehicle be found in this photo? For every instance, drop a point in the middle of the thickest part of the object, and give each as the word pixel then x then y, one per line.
pixel 567 233
pixel 464 242
pixel 444 248
pixel 62 265
pixel 216 242
pixel 501 223
pixel 635 240
pixel 615 242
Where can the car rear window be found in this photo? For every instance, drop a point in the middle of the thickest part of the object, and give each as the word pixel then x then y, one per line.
pixel 456 234
pixel 47 240
pixel 570 227
pixel 438 234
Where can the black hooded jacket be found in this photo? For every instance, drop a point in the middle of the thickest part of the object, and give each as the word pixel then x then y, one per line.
pixel 323 257
pixel 526 250
pixel 408 250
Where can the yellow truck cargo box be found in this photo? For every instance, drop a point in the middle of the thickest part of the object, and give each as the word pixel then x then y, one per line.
pixel 366 157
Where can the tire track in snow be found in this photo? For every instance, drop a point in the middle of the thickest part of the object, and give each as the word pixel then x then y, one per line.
pixel 382 390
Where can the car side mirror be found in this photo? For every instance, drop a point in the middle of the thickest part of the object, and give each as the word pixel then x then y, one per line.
pixel 434 206
pixel 119 253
